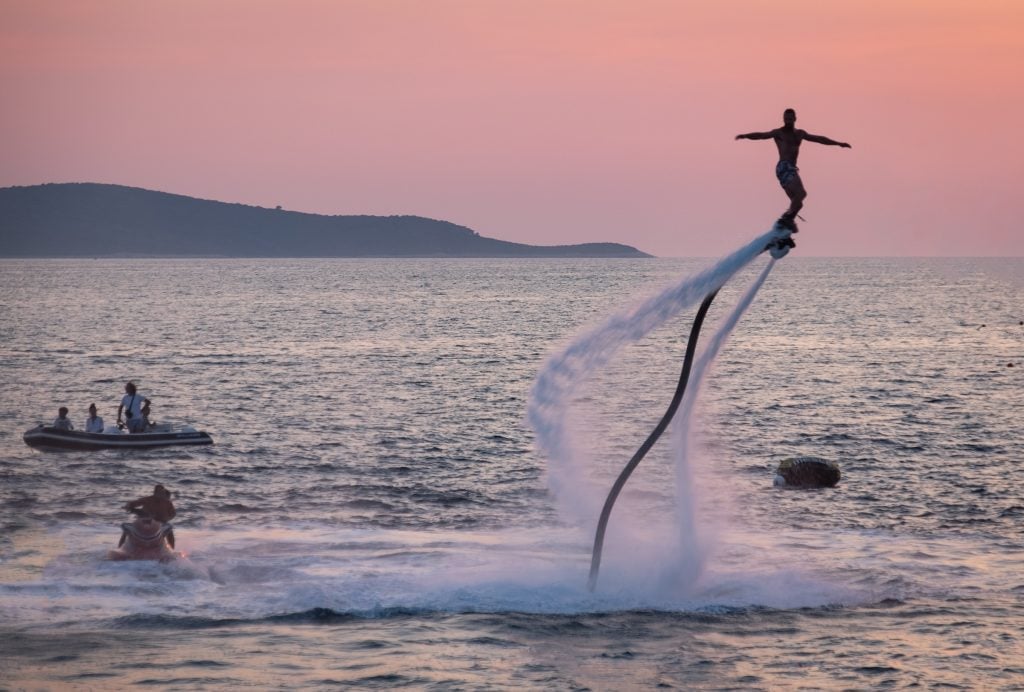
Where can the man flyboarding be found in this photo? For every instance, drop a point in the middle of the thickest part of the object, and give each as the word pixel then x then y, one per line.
pixel 787 139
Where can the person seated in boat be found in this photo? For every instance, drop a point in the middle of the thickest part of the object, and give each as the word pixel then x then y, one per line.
pixel 93 424
pixel 156 506
pixel 62 422
pixel 131 405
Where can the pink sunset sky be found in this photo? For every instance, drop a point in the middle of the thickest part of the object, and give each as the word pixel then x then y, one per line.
pixel 540 121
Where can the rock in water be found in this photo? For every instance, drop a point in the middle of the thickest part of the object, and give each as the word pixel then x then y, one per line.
pixel 807 472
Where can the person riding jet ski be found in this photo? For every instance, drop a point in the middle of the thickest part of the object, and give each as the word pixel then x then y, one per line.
pixel 150 536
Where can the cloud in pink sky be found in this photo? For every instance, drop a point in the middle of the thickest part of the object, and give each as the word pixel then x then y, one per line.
pixel 540 121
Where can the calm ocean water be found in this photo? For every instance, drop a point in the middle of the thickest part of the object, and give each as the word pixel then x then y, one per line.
pixel 375 514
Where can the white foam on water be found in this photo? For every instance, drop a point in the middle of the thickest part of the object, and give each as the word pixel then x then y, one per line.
pixel 253 574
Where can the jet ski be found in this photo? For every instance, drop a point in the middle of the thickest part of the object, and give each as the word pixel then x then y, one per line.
pixel 145 539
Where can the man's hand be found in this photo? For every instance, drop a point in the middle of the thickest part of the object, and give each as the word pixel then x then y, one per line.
pixel 844 145
pixel 741 136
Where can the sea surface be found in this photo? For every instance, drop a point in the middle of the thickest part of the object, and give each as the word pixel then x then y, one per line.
pixel 376 511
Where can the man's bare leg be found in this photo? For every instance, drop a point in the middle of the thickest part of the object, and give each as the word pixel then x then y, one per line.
pixel 796 193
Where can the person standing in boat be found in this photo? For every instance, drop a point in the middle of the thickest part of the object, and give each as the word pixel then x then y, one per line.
pixel 62 422
pixel 131 404
pixel 93 424
pixel 156 506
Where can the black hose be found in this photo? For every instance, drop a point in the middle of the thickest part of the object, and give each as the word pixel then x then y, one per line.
pixel 602 524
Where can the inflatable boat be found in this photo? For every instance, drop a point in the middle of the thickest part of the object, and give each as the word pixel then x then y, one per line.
pixel 49 438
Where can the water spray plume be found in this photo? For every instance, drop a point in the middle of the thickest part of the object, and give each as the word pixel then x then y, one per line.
pixel 563 373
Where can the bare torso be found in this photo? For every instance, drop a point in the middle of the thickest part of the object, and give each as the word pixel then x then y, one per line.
pixel 158 508
pixel 788 142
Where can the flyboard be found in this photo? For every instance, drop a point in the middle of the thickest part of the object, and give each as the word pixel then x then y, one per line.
pixel 778 247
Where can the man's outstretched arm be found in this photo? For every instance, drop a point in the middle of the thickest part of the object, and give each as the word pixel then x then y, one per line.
pixel 825 140
pixel 757 135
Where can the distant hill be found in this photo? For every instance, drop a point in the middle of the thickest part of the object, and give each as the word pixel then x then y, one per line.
pixel 93 220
